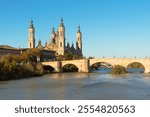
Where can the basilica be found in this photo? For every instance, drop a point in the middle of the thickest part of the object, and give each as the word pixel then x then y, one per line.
pixel 57 42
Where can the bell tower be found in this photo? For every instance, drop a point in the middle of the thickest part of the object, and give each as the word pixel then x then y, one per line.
pixel 31 36
pixel 79 41
pixel 61 38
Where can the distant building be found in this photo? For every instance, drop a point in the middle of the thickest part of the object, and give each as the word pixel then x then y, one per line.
pixel 47 55
pixel 5 49
pixel 8 50
pixel 57 41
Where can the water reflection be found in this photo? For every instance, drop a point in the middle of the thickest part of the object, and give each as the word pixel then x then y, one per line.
pixel 78 86
pixel 129 70
pixel 135 70
pixel 102 70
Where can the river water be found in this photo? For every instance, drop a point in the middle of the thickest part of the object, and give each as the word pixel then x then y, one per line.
pixel 64 86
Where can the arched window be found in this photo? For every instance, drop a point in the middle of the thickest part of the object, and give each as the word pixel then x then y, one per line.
pixel 60 44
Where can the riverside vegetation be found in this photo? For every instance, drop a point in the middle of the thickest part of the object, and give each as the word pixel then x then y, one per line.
pixel 118 69
pixel 26 65
pixel 20 66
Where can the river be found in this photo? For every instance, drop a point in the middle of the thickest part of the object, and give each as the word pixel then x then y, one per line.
pixel 70 86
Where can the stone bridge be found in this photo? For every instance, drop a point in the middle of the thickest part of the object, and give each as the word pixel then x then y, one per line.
pixel 83 65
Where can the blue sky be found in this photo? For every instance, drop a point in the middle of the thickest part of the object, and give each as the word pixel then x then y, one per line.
pixel 109 27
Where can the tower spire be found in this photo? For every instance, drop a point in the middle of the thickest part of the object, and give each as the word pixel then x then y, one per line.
pixel 53 30
pixel 31 21
pixel 31 24
pixel 61 38
pixel 40 41
pixel 31 36
pixel 79 28
pixel 79 41
pixel 61 22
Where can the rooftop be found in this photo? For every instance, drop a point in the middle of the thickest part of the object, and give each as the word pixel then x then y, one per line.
pixel 8 47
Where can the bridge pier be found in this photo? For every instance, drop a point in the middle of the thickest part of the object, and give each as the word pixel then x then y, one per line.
pixel 147 69
pixel 58 66
pixel 85 66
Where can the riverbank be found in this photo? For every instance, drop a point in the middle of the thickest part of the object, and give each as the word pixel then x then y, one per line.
pixel 22 65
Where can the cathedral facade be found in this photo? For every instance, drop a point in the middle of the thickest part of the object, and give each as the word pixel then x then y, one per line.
pixel 57 41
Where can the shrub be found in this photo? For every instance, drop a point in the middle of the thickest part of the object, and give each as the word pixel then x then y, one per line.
pixel 20 66
pixel 28 69
pixel 118 69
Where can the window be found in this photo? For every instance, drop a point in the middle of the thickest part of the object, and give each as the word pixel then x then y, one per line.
pixel 30 45
pixel 60 44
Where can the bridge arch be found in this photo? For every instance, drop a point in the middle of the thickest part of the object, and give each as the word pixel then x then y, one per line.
pixel 139 67
pixel 69 67
pixel 98 64
pixel 48 68
pixel 54 64
pixel 106 62
pixel 135 65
